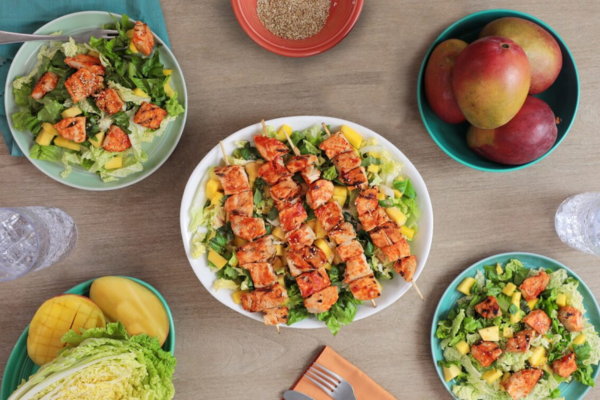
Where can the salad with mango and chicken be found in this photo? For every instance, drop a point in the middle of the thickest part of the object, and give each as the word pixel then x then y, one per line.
pixel 300 223
pixel 94 104
pixel 518 333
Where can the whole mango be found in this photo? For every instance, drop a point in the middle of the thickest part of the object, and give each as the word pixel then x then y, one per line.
pixel 543 52
pixel 438 81
pixel 527 137
pixel 491 80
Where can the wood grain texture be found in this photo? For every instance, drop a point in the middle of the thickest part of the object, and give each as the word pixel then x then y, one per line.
pixel 370 78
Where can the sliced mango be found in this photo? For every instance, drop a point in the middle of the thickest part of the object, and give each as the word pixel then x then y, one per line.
pixel 139 92
pixel 466 285
pixel 373 168
pixel 532 303
pixel 324 246
pixel 409 233
pixel 252 171
pixel 353 137
pixel 67 144
pixel 491 376
pixel 340 194
pixel 71 112
pixel 282 131
pixel 97 140
pixel 320 232
pixel 167 72
pixel 508 332
pixel 278 233
pixel 169 90
pixel 499 269
pixel 463 347
pixel 396 215
pixel 536 359
pixel 509 289
pixel 237 296
pixel 44 138
pixel 132 48
pixel 218 260
pixel 212 188
pixel 114 163
pixel 561 300
pixel 217 198
pixel 491 334
pixel 279 249
pixel 451 372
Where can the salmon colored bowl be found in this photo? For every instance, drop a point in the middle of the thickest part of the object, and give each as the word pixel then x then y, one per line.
pixel 343 15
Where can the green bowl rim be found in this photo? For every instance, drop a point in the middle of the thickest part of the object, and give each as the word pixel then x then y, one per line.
pixel 474 266
pixel 420 100
pixel 170 342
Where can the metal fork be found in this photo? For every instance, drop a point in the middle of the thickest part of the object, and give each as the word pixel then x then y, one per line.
pixel 331 383
pixel 12 37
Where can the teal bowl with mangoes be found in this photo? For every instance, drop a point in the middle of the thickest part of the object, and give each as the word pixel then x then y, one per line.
pixel 492 149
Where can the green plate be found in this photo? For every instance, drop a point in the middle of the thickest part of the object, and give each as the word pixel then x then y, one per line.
pixel 573 390
pixel 562 96
pixel 158 151
pixel 20 366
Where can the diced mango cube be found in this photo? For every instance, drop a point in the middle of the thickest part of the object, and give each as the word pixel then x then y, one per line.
pixel 539 353
pixel 44 138
pixel 491 376
pixel 373 168
pixel 491 334
pixel 97 140
pixel 169 91
pixel 279 249
pixel 409 233
pixel 508 332
pixel 217 260
pixel 237 296
pixel 71 112
pixel 312 224
pixel 340 193
pixel 353 137
pixel 278 233
pixel 532 303
pixel 139 92
pixel 451 372
pixel 282 131
pixel 381 195
pixel 252 171
pixel 167 72
pixel 499 269
pixel 561 300
pixel 466 285
pixel 509 289
pixel 516 299
pixel 320 232
pixel 67 144
pixel 217 198
pixel 114 163
pixel 212 188
pixel 397 216
pixel 324 246
pixel 463 347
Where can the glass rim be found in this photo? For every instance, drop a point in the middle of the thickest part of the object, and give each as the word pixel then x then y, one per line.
pixel 20 212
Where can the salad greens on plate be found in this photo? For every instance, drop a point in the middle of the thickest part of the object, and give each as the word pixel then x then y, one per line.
pixel 93 105
pixel 517 333
pixel 212 234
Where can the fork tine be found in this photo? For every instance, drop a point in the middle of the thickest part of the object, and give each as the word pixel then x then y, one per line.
pixel 318 384
pixel 323 375
pixel 339 378
pixel 323 382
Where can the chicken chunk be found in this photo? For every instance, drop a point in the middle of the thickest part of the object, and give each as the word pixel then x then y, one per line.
pixel 314 256
pixel 285 190
pixel 301 237
pixel 367 201
pixel 356 268
pixel 305 164
pixel 90 63
pixel 532 287
pixel 365 288
pixel 520 342
pixel 262 249
pixel 262 274
pixel 83 84
pixel 297 264
pixel 565 366
pixel 241 203
pixel 72 129
pixel 373 219
pixel 109 101
pixel 406 267
pixel 143 39
pixel 233 178
pixel 265 298
pixel 394 252
pixel 292 216
pixel 116 140
pixel 346 162
pixel 44 85
pixel 276 316
pixel 319 193
pixel 335 145
pixel 357 178
pixel 539 321
pixel 273 171
pixel 248 228
pixel 486 352
pixel 149 116
pixel 330 215
pixel 520 383
pixel 312 282
pixel 321 301
pixel 350 249
pixel 342 233
pixel 270 148
pixel 489 308
pixel 379 238
pixel 571 318
pixel 391 231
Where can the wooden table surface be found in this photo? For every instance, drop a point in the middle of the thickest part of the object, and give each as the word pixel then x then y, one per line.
pixel 370 78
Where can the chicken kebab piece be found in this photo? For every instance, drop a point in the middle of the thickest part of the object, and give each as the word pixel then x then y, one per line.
pixel 256 255
pixel 306 262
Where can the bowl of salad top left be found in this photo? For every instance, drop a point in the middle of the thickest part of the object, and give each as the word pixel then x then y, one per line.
pixel 158 80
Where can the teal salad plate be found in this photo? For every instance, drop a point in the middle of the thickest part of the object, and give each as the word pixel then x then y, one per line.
pixel 572 390
pixel 158 150
pixel 562 96
pixel 20 367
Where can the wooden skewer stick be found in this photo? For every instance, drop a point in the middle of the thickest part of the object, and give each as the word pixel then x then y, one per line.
pixel 374 304
pixel 326 129
pixel 224 152
pixel 418 291
pixel 264 125
pixel 294 148
pixel 277 327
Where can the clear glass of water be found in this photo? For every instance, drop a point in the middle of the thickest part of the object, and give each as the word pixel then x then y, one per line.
pixel 33 238
pixel 577 222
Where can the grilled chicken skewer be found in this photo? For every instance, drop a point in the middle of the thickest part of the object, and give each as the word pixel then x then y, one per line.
pixel 306 262
pixel 372 215
pixel 269 295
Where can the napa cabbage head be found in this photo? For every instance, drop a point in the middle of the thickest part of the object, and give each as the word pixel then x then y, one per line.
pixel 104 363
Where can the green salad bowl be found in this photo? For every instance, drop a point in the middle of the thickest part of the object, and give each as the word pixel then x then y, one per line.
pixel 20 367
pixel 562 96
pixel 573 390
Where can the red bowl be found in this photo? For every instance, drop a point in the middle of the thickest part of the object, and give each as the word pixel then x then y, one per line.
pixel 343 14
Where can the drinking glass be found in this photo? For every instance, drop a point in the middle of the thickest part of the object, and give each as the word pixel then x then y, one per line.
pixel 33 238
pixel 577 222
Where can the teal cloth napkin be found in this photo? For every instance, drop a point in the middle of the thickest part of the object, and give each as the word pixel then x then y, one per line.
pixel 26 16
